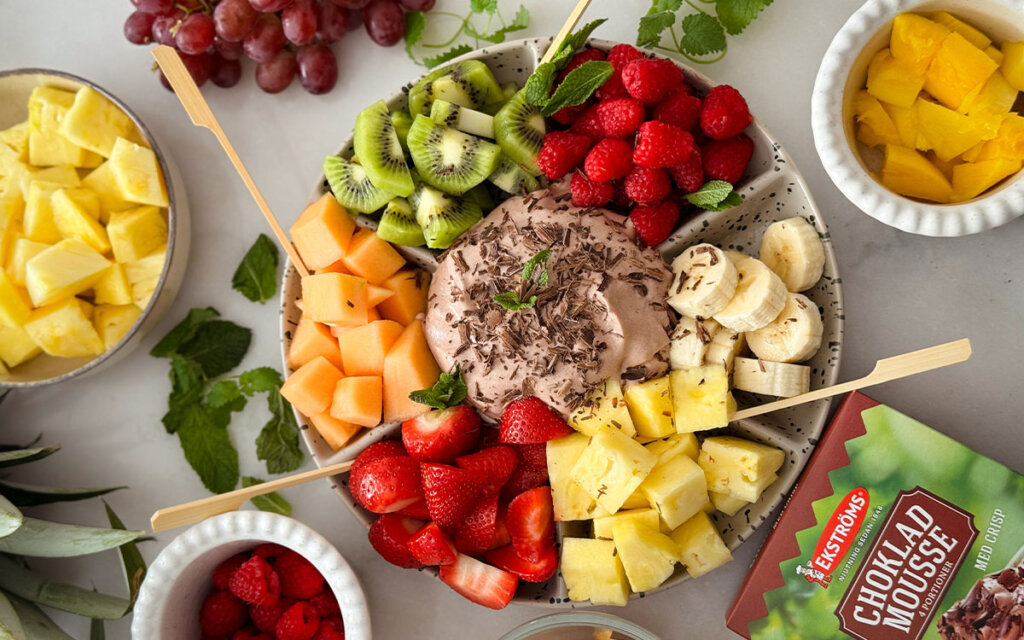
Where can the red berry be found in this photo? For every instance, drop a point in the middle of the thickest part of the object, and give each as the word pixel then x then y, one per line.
pixel 251 634
pixel 569 115
pixel 382 449
pixel 586 55
pixel 477 532
pixel 256 582
pixel 620 118
pixel 619 197
pixel 222 614
pixel 679 109
pixel 494 466
pixel 300 580
pixel 389 534
pixel 432 547
pixel 622 54
pixel 417 510
pixel 654 223
pixel 524 478
pixel 689 176
pixel 649 80
pixel 647 186
pixel 587 193
pixel 265 618
pixel 540 570
pixel 725 113
pixel 535 455
pixel 270 552
pixel 531 523
pixel 529 421
pixel 451 493
pixel 661 145
pixel 727 159
pixel 610 159
pixel 442 435
pixel 480 582
pixel 386 485
pixel 222 574
pixel 589 124
pixel 330 629
pixel 326 604
pixel 299 622
pixel 561 152
pixel 612 88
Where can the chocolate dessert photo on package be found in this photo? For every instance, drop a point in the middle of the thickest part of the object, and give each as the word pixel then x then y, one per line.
pixel 894 531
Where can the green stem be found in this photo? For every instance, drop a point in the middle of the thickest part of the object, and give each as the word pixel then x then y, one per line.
pixel 690 2
pixel 707 60
pixel 463 20
pixel 675 38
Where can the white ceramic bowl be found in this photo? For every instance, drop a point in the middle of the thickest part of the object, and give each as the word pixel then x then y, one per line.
pixel 15 87
pixel 843 72
pixel 180 578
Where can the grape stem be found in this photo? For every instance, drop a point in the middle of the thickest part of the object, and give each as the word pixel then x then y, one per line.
pixel 465 28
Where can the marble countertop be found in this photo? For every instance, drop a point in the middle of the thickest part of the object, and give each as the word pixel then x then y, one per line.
pixel 902 292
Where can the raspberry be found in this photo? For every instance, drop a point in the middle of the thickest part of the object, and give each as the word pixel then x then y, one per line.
pixel 326 604
pixel 679 109
pixel 725 113
pixel 265 618
pixel 612 88
pixel 689 176
pixel 587 193
pixel 270 552
pixel 561 152
pixel 569 115
pixel 583 56
pixel 251 634
pixel 221 614
pixel 256 582
pixel 648 80
pixel 299 578
pixel 299 622
pixel 620 118
pixel 330 629
pixel 610 159
pixel 589 124
pixel 619 197
pixel 661 145
pixel 655 223
pixel 647 186
pixel 622 54
pixel 222 574
pixel 727 159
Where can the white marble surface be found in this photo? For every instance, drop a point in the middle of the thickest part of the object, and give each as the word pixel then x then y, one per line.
pixel 902 292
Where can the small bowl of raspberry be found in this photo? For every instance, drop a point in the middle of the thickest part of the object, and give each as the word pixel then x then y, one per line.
pixel 251 575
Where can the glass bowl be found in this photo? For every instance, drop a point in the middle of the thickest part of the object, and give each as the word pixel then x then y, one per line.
pixel 578 625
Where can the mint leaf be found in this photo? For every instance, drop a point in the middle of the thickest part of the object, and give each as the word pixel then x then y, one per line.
pixel 204 439
pixel 223 393
pixel 665 5
pixel 540 258
pixel 187 383
pixel 182 332
pixel 652 26
pixel 450 390
pixel 714 195
pixel 256 275
pixel 278 442
pixel 732 200
pixel 702 34
pixel 736 15
pixel 538 85
pixel 481 6
pixel 510 300
pixel 218 346
pixel 259 380
pixel 451 54
pixel 574 41
pixel 520 22
pixel 415 23
pixel 271 502
pixel 578 86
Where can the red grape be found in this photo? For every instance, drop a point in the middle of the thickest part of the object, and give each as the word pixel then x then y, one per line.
pixel 274 75
pixel 318 70
pixel 225 73
pixel 351 4
pixel 195 35
pixel 199 66
pixel 332 20
pixel 164 81
pixel 156 7
pixel 269 6
pixel 385 22
pixel 227 50
pixel 163 25
pixel 138 28
pixel 299 21
pixel 355 19
pixel 233 19
pixel 265 39
pixel 417 5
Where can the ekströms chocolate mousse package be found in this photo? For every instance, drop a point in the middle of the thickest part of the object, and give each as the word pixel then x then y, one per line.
pixel 894 531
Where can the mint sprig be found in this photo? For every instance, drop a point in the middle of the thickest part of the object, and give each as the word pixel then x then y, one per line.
pixel 256 276
pixel 702 33
pixel 448 391
pixel 715 195
pixel 525 298
pixel 477 24
pixel 578 85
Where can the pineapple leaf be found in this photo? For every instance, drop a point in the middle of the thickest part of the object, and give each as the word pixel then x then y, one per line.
pixel 10 517
pixel 21 456
pixel 30 495
pixel 37 624
pixel 10 623
pixel 43 539
pixel 24 583
pixel 96 630
pixel 131 560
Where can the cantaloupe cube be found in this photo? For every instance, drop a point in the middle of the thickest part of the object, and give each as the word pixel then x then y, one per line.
pixel 335 298
pixel 1012 65
pixel 373 315
pixel 915 39
pixel 876 127
pixel 971 179
pixel 363 349
pixel 950 133
pixel 101 181
pixel 16 346
pixel 958 67
pixel 322 233
pixel 39 223
pixel 409 366
pixel 64 269
pixel 76 212
pixel 376 295
pixel 113 288
pixel 909 173
pixel 143 276
pixel 336 433
pixel 311 387
pixel 372 258
pixel 15 305
pixel 16 138
pixel 892 80
pixel 334 267
pixel 410 299
pixel 112 322
pixel 137 173
pixel 93 122
pixel 310 340
pixel 65 329
pixel 22 251
pixel 358 399
pixel 136 233
pixel 971 34
pixel 12 212
pixel 1009 143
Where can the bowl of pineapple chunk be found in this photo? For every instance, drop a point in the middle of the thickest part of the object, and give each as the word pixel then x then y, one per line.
pixel 93 228
pixel 918 117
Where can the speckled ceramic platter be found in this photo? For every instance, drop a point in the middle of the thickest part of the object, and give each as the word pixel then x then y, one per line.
pixel 773 189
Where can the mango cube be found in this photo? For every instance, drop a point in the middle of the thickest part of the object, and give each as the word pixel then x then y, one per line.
pixel 1012 65
pixel 701 547
pixel 971 179
pixel 950 133
pixel 143 276
pixel 112 322
pixel 65 329
pixel 676 487
pixel 593 571
pixel 570 501
pixel 739 467
pixel 76 213
pixel 1009 143
pixel 14 303
pixel 915 40
pixel 971 34
pixel 605 406
pixel 63 270
pixel 726 503
pixel 136 233
pixel 701 398
pixel 137 173
pixel 958 67
pixel 22 251
pixel 646 516
pixel 94 122
pixel 905 119
pixel 612 467
pixel 16 346
pixel 909 173
pixel 684 444
pixel 101 181
pixel 995 97
pixel 876 127
pixel 650 407
pixel 892 80
pixel 113 288
pixel 648 555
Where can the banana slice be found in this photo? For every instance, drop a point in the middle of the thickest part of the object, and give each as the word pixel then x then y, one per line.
pixel 770 378
pixel 792 249
pixel 792 337
pixel 760 296
pixel 735 256
pixel 705 281
pixel 725 345
pixel 690 341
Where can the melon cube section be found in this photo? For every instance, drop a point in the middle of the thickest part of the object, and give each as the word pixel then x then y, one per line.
pixel 16 346
pixel 410 299
pixel 593 571
pixel 376 295
pixel 409 366
pixel 335 298
pixel 95 123
pixel 112 322
pixel 136 233
pixel 65 329
pixel 310 340
pixel 310 389
pixel 336 433
pixel 323 232
pixel 701 547
pixel 137 173
pixel 358 399
pixel 372 258
pixel 63 270
pixel 363 349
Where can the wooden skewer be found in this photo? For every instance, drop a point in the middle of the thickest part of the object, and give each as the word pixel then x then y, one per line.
pixel 569 25
pixel 199 111
pixel 885 370
pixel 192 512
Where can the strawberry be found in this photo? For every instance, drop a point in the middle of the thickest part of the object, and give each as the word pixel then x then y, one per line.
pixel 442 435
pixel 534 455
pixel 432 547
pixel 494 464
pixel 679 109
pixel 531 523
pixel 480 582
pixel 561 152
pixel 589 124
pixel 725 113
pixel 389 535
pixel 382 449
pixel 541 570
pixel 727 159
pixel 661 145
pixel 451 493
pixel 386 485
pixel 650 79
pixel 689 176
pixel 620 118
pixel 577 60
pixel 489 438
pixel 524 478
pixel 647 186
pixel 587 193
pixel 529 421
pixel 501 536
pixel 654 223
pixel 477 532
pixel 416 510
pixel 610 159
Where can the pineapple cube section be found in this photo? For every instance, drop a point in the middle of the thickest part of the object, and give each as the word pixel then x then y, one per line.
pixel 137 173
pixel 143 276
pixel 39 224
pixel 136 233
pixel 113 288
pixel 605 406
pixel 47 107
pixel 15 305
pixel 16 346
pixel 76 214
pixel 648 556
pixel 65 329
pixel 678 444
pixel 63 270
pixel 646 516
pixel 101 181
pixel 22 251
pixel 726 503
pixel 112 322
pixel 95 123
pixel 593 571
pixel 16 138
pixel 677 488
pixel 611 467
pixel 650 407
pixel 701 398
pixel 570 501
pixel 739 467
pixel 12 212
pixel 701 547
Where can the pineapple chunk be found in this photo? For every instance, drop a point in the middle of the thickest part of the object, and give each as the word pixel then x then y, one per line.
pixel 679 444
pixel 136 233
pixel 593 571
pixel 101 181
pixel 47 106
pixel 701 547
pixel 677 488
pixel 65 329
pixel 113 288
pixel 75 212
pixel 726 503
pixel 12 211
pixel 605 406
pixel 14 303
pixel 570 501
pixel 612 467
pixel 739 467
pixel 113 322
pixel 636 500
pixel 95 123
pixel 137 174
pixel 16 346
pixel 16 138
pixel 39 223
pixel 648 555
pixel 701 398
pixel 62 175
pixel 647 517
pixel 22 251
pixel 143 275
pixel 650 407
pixel 63 270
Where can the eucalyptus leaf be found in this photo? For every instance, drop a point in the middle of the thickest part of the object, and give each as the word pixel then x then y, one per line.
pixel 21 456
pixel 30 495
pixel 131 559
pixel 37 624
pixel 10 517
pixel 24 583
pixel 10 623
pixel 43 539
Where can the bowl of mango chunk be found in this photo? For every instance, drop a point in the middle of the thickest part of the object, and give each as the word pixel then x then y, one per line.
pixel 918 113
pixel 94 228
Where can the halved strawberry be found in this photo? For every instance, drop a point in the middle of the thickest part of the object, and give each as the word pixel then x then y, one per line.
pixel 534 455
pixel 501 537
pixel 441 436
pixel 476 533
pixel 480 582
pixel 451 493
pixel 386 485
pixel 530 421
pixel 524 478
pixel 417 510
pixel 389 535
pixel 377 450
pixel 432 547
pixel 531 523
pixel 495 465
pixel 507 559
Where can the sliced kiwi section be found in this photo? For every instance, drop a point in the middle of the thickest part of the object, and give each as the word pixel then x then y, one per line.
pixel 352 186
pixel 462 118
pixel 445 217
pixel 511 178
pixel 398 224
pixel 519 131
pixel 449 159
pixel 480 195
pixel 379 150
pixel 401 121
pixel 469 83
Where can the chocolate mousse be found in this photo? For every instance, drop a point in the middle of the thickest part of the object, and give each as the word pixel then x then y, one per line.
pixel 992 610
pixel 599 308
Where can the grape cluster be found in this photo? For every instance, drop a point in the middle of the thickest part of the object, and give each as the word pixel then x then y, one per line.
pixel 285 38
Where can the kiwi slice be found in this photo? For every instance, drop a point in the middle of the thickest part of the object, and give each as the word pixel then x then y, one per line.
pixel 508 90
pixel 511 178
pixel 480 195
pixel 519 130
pixel 401 121
pixel 445 217
pixel 462 118
pixel 352 186
pixel 469 83
pixel 379 150
pixel 449 159
pixel 398 224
